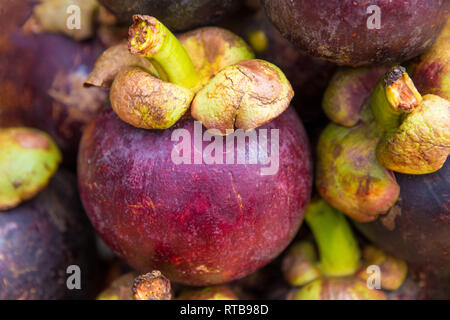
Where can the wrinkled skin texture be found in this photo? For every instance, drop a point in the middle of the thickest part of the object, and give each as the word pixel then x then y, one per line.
pixel 245 95
pixel 40 239
pixel 41 80
pixel 211 49
pixel 112 61
pixel 337 30
pixel 152 286
pixel 177 15
pixel 421 144
pixel 144 101
pixel 308 76
pixel 198 224
pixel 416 227
pixel 348 175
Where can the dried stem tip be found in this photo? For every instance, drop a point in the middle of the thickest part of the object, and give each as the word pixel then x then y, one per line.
pixel 145 36
pixel 149 38
pixel 393 96
pixel 152 286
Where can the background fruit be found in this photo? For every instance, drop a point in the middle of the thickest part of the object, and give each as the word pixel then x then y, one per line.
pixel 338 30
pixel 416 227
pixel 177 15
pixel 41 80
pixel 40 239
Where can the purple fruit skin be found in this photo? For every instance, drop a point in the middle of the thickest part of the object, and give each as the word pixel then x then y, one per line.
pixel 198 224
pixel 177 15
pixel 337 30
pixel 40 239
pixel 417 227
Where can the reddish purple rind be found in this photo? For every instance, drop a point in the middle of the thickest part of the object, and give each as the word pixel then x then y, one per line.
pixel 198 224
pixel 337 30
pixel 40 239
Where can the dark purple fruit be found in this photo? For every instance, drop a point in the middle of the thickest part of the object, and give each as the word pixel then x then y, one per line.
pixel 348 32
pixel 177 15
pixel 40 239
pixel 417 227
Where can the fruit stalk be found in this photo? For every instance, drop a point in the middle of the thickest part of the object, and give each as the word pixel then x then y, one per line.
pixel 338 248
pixel 151 39
pixel 393 96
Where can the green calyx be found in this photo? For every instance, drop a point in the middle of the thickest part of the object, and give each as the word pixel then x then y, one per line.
pixel 396 130
pixel 28 159
pixel 334 276
pixel 188 69
pixel 151 39
pixel 338 249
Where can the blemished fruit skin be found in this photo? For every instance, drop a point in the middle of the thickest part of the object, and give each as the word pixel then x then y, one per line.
pixel 417 227
pixel 40 239
pixel 338 30
pixel 41 80
pixel 177 15
pixel 200 224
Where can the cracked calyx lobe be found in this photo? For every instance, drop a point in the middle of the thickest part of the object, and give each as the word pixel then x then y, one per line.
pixel 245 95
pixel 224 86
pixel 416 129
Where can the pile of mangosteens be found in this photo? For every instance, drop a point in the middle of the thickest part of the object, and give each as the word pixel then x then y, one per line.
pixel 158 150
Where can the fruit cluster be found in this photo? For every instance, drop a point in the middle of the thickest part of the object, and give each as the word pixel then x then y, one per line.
pixel 137 163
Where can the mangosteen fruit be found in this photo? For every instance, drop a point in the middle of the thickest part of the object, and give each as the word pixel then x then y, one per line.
pixel 387 167
pixel 47 246
pixel 178 15
pixel 41 80
pixel 174 205
pixel 360 32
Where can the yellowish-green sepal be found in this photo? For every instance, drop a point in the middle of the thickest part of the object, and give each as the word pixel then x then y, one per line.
pixel 28 159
